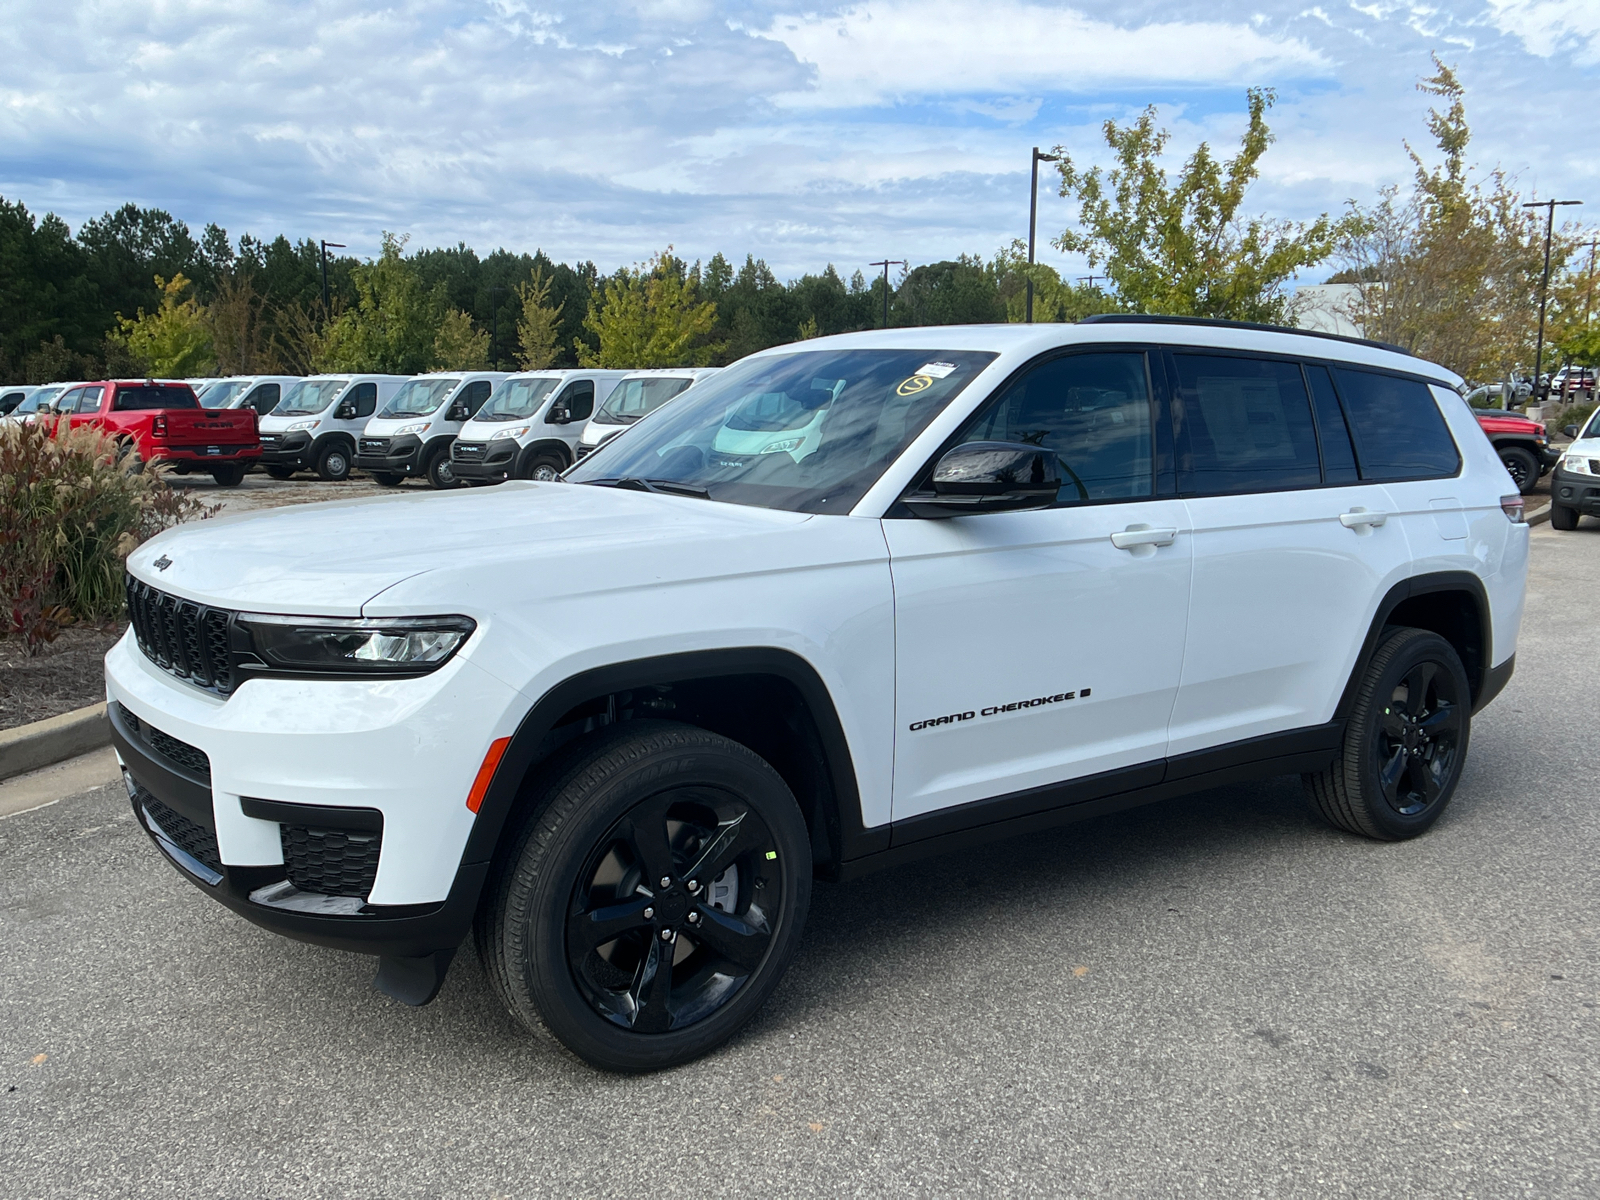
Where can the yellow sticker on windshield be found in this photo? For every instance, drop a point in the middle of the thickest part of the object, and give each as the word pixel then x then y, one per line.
pixel 917 383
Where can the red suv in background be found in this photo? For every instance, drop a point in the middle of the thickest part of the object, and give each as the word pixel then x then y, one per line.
pixel 1523 446
pixel 165 421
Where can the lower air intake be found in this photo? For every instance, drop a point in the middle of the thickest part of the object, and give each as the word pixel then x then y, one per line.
pixel 331 862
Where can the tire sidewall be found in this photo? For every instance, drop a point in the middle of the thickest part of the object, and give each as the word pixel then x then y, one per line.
pixel 558 851
pixel 440 474
pixel 1528 463
pixel 326 460
pixel 1419 647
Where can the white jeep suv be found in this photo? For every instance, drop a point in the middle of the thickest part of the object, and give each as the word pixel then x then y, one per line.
pixel 845 604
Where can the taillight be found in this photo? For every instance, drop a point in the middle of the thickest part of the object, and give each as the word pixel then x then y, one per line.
pixel 159 425
pixel 1514 508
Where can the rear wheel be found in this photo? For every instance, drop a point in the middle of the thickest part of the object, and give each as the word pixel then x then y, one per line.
pixel 1562 517
pixel 388 478
pixel 545 467
pixel 333 464
pixel 1521 466
pixel 279 472
pixel 439 473
pixel 1404 743
pixel 228 475
pixel 652 898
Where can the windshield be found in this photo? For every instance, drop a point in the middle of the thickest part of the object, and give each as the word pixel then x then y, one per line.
pixel 1593 429
pixel 516 398
pixel 635 397
pixel 419 397
pixel 38 400
pixel 309 396
pixel 218 394
pixel 807 432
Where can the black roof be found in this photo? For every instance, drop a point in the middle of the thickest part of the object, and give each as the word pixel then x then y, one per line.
pixel 1219 323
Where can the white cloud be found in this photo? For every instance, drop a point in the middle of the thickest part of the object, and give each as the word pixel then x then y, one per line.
pixel 1548 26
pixel 885 49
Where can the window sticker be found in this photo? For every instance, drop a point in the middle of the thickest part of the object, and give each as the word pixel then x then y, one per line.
pixel 938 370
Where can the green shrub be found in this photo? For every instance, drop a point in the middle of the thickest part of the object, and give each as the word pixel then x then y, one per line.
pixel 71 510
pixel 1575 414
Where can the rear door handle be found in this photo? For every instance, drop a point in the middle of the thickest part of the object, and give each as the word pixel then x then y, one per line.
pixel 1361 520
pixel 1135 536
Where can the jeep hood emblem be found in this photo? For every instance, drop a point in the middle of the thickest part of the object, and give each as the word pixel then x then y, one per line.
pixel 162 563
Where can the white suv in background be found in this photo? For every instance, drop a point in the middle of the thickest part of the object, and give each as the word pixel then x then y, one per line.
pixel 636 395
pixel 530 427
pixel 1011 576
pixel 411 435
pixel 315 425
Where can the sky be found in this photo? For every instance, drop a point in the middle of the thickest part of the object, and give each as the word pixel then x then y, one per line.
pixel 885 128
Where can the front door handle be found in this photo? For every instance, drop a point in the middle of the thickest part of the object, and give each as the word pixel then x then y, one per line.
pixel 1361 520
pixel 1135 537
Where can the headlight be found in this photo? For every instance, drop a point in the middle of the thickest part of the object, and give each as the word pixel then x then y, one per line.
pixel 417 428
pixel 1575 464
pixel 302 425
pixel 384 646
pixel 785 444
pixel 517 431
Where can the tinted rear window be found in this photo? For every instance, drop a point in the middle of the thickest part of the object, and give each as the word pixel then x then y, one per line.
pixel 1244 426
pixel 1398 429
pixel 154 395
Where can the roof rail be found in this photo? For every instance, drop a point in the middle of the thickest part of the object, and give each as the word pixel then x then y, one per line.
pixel 1219 323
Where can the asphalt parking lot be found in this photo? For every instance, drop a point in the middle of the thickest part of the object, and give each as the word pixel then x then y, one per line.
pixel 1217 996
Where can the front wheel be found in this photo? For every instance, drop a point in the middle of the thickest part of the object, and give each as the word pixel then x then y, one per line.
pixel 1563 518
pixel 1522 467
pixel 543 468
pixel 333 464
pixel 652 898
pixel 1404 743
pixel 440 475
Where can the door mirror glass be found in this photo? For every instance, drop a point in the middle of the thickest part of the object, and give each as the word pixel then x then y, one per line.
pixel 345 412
pixel 1571 431
pixel 456 412
pixel 990 477
pixel 559 416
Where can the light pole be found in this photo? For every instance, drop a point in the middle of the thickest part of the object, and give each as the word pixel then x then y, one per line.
pixel 886 264
pixel 494 324
pixel 1033 218
pixel 1550 207
pixel 1089 279
pixel 325 245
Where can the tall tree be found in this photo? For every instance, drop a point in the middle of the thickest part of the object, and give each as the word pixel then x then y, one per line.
pixel 538 324
pixel 650 316
pixel 1183 245
pixel 173 341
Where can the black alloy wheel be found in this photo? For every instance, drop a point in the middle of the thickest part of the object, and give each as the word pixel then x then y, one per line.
pixel 1405 740
pixel 649 895
pixel 440 474
pixel 1522 467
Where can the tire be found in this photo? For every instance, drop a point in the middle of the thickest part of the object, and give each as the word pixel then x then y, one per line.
pixel 279 472
pixel 1522 466
pixel 577 853
pixel 544 467
pixel 229 475
pixel 1563 518
pixel 439 473
pixel 388 478
pixel 333 463
pixel 1408 729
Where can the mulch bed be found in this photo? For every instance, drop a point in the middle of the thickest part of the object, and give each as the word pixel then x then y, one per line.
pixel 68 673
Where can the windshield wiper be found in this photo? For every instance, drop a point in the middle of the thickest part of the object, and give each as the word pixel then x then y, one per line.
pixel 663 487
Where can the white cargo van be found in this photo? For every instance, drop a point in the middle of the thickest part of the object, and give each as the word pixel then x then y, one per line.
pixel 260 392
pixel 530 427
pixel 411 435
pixel 639 393
pixel 316 424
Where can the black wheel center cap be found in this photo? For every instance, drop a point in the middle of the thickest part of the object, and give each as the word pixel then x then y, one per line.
pixel 672 906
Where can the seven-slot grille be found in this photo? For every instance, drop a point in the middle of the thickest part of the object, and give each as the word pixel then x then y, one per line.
pixel 188 639
pixel 468 451
pixel 378 446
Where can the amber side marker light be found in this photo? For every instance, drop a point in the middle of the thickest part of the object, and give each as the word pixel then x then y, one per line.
pixel 491 760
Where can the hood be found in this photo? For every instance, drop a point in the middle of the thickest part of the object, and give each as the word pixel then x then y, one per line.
pixel 330 559
pixel 1500 422
pixel 276 422
pixel 1589 447
pixel 389 426
pixel 482 431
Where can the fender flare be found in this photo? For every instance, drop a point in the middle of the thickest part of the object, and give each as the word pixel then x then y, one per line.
pixel 336 435
pixel 528 452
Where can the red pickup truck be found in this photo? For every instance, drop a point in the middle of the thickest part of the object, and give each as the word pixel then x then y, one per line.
pixel 164 421
pixel 1522 445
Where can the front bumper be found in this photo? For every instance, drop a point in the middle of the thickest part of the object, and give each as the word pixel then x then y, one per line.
pixel 1581 492
pixel 395 456
pixel 491 462
pixel 231 793
pixel 286 449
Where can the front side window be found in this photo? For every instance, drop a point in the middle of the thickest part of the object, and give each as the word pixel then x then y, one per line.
pixel 1093 410
pixel 264 399
pixel 1243 425
pixel 309 396
pixel 808 431
pixel 473 395
pixel 364 396
pixel 39 400
pixel 577 401
pixel 1398 429
pixel 634 398
pixel 419 397
pixel 516 398
pixel 153 395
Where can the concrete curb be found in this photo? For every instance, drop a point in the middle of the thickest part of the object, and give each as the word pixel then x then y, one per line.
pixel 1540 517
pixel 29 747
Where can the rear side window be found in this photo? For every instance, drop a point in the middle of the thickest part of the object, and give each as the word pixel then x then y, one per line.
pixel 1243 425
pixel 1338 457
pixel 88 400
pixel 1398 429
pixel 153 395
pixel 1093 410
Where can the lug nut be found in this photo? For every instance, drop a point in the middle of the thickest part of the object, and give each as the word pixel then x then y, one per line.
pixel 666 935
pixel 694 918
pixel 648 913
pixel 666 881
pixel 694 886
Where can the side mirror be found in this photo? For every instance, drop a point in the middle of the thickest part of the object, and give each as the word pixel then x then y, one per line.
pixel 990 477
pixel 560 416
pixel 1570 431
pixel 345 412
pixel 457 412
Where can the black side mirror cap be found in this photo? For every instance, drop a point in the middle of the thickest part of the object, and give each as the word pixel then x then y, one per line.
pixel 989 477
pixel 345 412
pixel 457 412
pixel 560 416
pixel 1571 431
